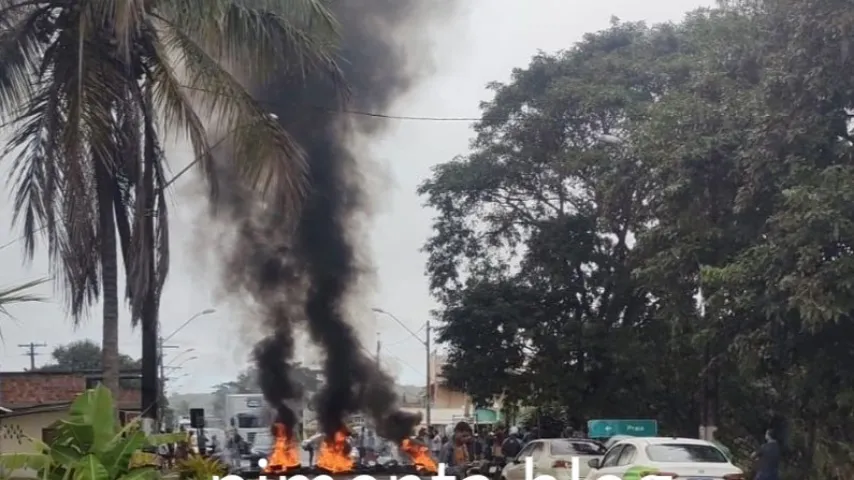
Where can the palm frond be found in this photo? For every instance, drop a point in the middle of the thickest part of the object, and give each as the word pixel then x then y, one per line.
pixel 260 37
pixel 269 159
pixel 21 33
pixel 175 110
pixel 67 122
pixel 19 294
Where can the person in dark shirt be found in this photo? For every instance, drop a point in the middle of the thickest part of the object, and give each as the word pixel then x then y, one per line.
pixel 768 458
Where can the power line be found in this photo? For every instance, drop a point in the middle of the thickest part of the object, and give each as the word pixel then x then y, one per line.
pixel 317 107
pixel 358 112
pixel 395 357
pixel 31 352
pixel 408 338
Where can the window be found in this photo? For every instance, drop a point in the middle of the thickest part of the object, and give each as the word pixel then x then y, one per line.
pixel 538 450
pixel 685 452
pixel 245 420
pixel 611 457
pixel 589 448
pixel 526 452
pixel 564 447
pixel 628 455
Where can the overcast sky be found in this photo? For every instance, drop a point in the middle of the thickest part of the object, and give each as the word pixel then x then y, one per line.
pixel 484 44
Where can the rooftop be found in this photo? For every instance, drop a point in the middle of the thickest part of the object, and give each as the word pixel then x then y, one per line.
pixel 36 388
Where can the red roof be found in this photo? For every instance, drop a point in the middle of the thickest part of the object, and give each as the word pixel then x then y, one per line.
pixel 28 389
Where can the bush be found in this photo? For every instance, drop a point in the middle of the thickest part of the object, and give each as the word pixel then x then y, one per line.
pixel 90 445
pixel 199 467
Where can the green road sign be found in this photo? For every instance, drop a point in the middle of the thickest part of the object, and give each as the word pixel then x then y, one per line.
pixel 634 428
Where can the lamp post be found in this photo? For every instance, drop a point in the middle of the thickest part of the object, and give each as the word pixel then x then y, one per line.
pixel 426 342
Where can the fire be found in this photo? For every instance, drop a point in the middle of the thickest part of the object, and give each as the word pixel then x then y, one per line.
pixel 420 455
pixel 285 454
pixel 334 456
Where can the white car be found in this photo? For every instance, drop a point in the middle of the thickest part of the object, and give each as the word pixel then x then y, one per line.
pixel 682 458
pixel 553 457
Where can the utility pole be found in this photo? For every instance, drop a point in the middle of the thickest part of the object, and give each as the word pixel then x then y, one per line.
pixel 161 390
pixel 379 347
pixel 31 352
pixel 429 397
pixel 708 396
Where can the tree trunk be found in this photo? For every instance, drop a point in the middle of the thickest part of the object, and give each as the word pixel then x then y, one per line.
pixel 109 280
pixel 152 386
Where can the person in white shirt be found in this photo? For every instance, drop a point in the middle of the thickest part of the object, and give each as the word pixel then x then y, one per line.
pixel 436 444
pixel 311 445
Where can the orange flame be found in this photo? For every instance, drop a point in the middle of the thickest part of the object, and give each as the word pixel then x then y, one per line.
pixel 285 454
pixel 420 455
pixel 334 455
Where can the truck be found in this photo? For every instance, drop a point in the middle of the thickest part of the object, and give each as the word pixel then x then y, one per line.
pixel 248 414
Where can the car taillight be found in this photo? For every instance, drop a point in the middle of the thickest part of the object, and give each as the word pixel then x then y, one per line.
pixel 561 464
pixel 734 476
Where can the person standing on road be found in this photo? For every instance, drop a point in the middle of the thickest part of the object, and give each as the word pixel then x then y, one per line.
pixel 436 443
pixel 457 453
pixel 768 458
pixel 311 444
pixel 512 445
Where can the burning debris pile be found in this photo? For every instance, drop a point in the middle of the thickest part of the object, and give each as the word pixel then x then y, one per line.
pixel 334 457
pixel 300 274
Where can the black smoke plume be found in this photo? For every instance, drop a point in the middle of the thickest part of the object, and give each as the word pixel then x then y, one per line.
pixel 305 276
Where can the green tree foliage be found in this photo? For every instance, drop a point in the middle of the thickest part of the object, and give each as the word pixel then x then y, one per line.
pixel 608 184
pixel 83 355
pixel 88 443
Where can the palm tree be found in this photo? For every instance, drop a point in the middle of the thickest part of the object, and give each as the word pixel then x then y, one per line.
pixel 91 85
pixel 18 294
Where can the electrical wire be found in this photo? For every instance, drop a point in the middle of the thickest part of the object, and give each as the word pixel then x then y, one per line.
pixel 360 113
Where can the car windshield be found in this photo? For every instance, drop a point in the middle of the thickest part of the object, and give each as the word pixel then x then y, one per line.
pixel 568 447
pixel 262 441
pixel 684 452
pixel 246 420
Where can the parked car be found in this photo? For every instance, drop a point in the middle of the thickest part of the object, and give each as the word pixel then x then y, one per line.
pixel 669 457
pixel 553 457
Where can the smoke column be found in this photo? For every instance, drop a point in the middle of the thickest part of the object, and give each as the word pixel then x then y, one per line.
pixel 304 277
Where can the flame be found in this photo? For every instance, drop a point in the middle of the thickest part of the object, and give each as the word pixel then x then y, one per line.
pixel 285 454
pixel 334 456
pixel 420 455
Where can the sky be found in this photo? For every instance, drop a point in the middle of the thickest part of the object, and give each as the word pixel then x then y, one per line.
pixel 482 43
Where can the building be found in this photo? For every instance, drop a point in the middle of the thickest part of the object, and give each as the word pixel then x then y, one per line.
pixel 448 406
pixel 32 402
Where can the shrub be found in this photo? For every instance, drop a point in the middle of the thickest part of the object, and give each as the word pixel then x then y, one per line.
pixel 90 445
pixel 199 467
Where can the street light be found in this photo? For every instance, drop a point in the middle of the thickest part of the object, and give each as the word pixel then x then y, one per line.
pixel 151 362
pixel 206 311
pixel 183 352
pixel 426 342
pixel 181 365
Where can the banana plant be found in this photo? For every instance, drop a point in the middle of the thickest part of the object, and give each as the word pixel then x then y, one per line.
pixel 90 445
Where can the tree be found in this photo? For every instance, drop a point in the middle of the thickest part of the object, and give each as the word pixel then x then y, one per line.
pixel 534 229
pixel 89 86
pixel 84 355
pixel 611 183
